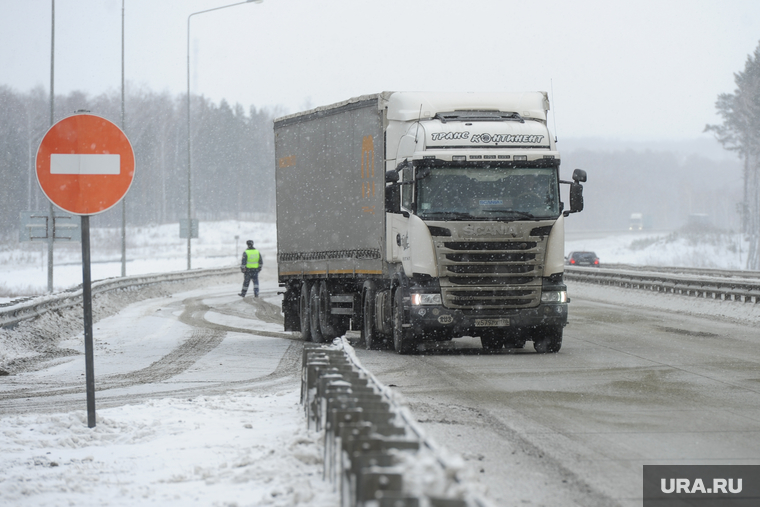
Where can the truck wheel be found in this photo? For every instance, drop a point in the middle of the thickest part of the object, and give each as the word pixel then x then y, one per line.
pixel 402 337
pixel 326 325
pixel 547 339
pixel 316 332
pixel 304 312
pixel 369 334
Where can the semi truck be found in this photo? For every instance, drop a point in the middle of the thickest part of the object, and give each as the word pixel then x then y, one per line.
pixel 423 216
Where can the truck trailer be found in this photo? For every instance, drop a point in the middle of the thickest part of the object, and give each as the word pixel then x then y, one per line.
pixel 423 216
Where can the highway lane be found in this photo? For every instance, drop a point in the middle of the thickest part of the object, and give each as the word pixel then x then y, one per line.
pixel 631 386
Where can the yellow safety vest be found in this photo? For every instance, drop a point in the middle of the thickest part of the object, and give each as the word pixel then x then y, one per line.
pixel 252 257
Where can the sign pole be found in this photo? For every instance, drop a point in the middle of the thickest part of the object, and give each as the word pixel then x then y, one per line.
pixel 51 237
pixel 87 304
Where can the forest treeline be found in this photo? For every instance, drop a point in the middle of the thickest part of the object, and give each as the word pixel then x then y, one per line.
pixel 232 158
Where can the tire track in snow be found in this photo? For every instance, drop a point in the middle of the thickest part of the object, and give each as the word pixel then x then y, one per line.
pixel 206 336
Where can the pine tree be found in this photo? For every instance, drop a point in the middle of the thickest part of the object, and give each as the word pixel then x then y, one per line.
pixel 740 132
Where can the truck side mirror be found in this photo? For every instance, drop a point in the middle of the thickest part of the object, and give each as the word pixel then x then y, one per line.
pixel 393 197
pixel 576 195
pixel 576 191
pixel 391 176
pixel 579 176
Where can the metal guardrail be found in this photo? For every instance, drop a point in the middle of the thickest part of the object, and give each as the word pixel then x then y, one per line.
pixel 742 286
pixel 721 273
pixel 28 308
pixel 370 439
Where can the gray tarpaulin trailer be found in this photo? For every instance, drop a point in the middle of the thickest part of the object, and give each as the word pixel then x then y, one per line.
pixel 331 187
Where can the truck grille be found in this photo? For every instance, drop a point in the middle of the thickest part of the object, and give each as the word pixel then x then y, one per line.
pixel 490 274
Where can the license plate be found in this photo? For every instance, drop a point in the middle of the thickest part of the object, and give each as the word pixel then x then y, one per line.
pixel 491 322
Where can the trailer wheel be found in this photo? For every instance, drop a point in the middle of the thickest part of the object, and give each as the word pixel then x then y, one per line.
pixel 547 339
pixel 316 332
pixel 304 312
pixel 326 323
pixel 369 333
pixel 402 337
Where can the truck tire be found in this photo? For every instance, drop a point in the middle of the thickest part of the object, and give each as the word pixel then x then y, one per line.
pixel 304 312
pixel 316 332
pixel 369 333
pixel 547 339
pixel 402 337
pixel 326 322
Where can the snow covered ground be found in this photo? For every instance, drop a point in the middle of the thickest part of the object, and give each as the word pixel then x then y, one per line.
pixel 242 446
pixel 155 249
pixel 683 248
pixel 233 449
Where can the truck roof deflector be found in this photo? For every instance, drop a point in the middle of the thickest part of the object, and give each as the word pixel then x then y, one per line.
pixel 478 116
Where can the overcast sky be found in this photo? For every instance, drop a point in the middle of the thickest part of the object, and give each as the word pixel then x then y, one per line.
pixel 633 70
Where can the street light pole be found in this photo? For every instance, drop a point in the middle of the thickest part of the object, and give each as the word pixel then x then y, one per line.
pixel 189 133
pixel 51 215
pixel 123 128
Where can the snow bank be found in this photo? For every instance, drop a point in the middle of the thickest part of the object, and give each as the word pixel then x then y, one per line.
pixel 692 249
pixel 234 449
pixel 745 313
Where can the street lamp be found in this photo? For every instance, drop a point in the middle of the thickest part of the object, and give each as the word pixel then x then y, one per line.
pixel 124 129
pixel 189 135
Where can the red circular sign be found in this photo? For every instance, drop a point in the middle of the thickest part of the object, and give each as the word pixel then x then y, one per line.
pixel 85 164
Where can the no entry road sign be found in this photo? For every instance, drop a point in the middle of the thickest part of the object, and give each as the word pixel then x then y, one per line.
pixel 85 164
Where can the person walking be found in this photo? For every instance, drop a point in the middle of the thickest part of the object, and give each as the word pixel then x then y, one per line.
pixel 250 266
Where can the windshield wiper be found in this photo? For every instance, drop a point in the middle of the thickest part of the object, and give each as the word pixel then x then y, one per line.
pixel 524 214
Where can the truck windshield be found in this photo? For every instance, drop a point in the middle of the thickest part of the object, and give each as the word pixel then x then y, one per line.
pixel 488 193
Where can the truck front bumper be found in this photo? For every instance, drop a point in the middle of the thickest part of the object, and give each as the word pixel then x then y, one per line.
pixel 448 322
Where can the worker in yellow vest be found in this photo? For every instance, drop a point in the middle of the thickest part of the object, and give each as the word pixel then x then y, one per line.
pixel 250 267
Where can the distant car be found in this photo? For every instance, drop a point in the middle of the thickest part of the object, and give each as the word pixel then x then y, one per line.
pixel 582 259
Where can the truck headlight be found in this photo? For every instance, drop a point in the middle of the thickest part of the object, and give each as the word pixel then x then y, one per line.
pixel 554 296
pixel 426 299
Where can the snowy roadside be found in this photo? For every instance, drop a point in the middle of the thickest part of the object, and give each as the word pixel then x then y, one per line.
pixel 745 313
pixel 235 449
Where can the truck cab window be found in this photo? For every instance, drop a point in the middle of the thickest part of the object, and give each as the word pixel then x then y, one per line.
pixel 489 192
